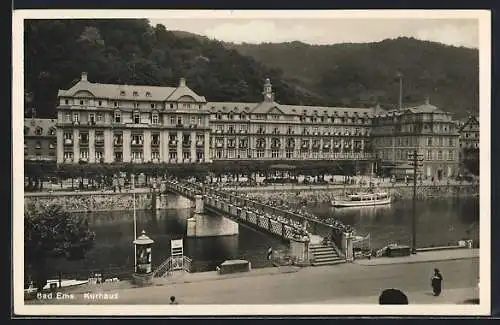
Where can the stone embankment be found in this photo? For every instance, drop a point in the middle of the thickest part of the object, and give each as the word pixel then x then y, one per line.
pixel 86 202
pixel 317 194
pixel 111 201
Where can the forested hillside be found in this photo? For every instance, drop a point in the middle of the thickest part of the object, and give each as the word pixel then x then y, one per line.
pixel 134 52
pixel 361 74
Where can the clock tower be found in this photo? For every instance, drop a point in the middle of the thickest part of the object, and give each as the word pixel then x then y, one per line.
pixel 268 91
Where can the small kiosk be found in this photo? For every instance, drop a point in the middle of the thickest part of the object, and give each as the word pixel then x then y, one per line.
pixel 143 272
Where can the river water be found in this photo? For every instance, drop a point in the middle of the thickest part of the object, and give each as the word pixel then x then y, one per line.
pixel 439 222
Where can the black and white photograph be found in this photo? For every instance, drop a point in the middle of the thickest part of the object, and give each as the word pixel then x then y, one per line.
pixel 251 162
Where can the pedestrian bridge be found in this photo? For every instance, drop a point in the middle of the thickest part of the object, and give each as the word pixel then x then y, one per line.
pixel 304 234
pixel 282 223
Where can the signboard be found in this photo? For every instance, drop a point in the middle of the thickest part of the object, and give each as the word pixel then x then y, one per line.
pixel 176 243
pixel 177 253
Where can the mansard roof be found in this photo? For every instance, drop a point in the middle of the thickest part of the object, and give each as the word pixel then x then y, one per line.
pixel 45 124
pixel 85 88
pixel 297 110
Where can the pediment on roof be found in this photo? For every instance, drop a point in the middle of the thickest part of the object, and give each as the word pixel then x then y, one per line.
pixel 274 110
pixel 186 98
pixel 83 93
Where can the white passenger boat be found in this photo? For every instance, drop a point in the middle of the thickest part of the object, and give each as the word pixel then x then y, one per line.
pixel 363 199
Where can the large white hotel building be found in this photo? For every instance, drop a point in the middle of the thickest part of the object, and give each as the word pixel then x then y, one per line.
pixel 106 123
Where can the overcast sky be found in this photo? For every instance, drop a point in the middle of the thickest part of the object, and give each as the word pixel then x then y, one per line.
pixel 457 32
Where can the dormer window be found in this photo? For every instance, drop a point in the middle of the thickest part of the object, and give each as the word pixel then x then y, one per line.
pixel 66 101
pixel 148 94
pixel 52 131
pixel 153 105
pixel 100 103
pixel 122 93
pixel 38 131
pixel 135 94
pixel 81 102
pixel 137 117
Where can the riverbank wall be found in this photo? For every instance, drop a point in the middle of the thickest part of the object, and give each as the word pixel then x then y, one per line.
pixel 99 201
pixel 322 194
pixel 111 201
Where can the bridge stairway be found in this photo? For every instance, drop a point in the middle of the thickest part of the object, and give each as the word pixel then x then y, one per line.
pixel 324 255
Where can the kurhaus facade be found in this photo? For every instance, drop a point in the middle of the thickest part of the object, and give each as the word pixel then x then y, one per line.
pixel 425 128
pixel 124 123
pixel 40 139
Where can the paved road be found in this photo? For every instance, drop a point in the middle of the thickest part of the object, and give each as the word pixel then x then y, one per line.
pixel 309 285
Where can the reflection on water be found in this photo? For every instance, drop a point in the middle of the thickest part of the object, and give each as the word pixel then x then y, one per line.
pixel 113 250
pixel 439 222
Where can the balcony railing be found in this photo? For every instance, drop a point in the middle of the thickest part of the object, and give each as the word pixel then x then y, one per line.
pixel 155 143
pixel 219 145
pixel 186 143
pixel 118 143
pixel 136 143
pixel 172 143
pixel 199 143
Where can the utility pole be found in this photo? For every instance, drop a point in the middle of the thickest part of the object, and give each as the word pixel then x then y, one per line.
pixel 400 77
pixel 416 161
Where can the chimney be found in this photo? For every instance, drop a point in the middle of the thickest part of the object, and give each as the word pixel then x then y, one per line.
pixel 427 100
pixel 84 76
pixel 182 82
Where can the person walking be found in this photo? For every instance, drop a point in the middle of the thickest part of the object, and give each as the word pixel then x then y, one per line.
pixel 269 253
pixel 436 282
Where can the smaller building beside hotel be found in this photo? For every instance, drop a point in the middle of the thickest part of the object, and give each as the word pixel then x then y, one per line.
pixel 40 140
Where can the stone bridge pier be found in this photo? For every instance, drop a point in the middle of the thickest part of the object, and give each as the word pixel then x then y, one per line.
pixel 204 225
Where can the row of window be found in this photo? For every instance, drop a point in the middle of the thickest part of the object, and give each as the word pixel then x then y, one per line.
pixel 39 145
pixel 134 155
pixel 85 102
pixel 304 119
pixel 429 154
pixel 242 154
pixel 414 141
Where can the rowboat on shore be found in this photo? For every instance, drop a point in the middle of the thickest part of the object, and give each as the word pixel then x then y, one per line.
pixel 362 199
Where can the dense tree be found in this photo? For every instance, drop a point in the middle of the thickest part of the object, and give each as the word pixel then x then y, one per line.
pixel 134 52
pixel 50 232
pixel 364 74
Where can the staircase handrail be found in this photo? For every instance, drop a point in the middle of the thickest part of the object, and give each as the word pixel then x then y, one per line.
pixel 167 264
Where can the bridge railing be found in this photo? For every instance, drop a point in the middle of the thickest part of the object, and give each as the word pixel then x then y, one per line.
pixel 233 205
